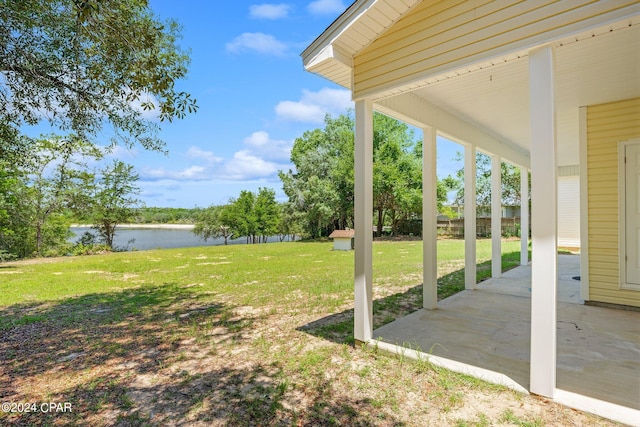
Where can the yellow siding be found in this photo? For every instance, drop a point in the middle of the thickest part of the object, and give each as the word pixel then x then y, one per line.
pixel 607 125
pixel 437 36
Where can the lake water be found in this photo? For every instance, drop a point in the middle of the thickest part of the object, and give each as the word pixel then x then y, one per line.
pixel 157 238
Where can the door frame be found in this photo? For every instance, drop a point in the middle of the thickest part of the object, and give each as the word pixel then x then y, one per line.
pixel 622 213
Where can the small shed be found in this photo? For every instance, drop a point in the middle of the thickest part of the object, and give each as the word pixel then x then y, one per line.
pixel 342 239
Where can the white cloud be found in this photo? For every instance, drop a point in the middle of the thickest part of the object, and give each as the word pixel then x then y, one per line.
pixel 257 139
pixel 269 11
pixel 257 42
pixel 300 112
pixel 313 106
pixel 198 154
pixel 246 166
pixel 272 149
pixel 192 173
pixel 262 159
pixel 324 7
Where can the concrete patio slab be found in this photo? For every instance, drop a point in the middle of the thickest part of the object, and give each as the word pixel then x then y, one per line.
pixel 598 348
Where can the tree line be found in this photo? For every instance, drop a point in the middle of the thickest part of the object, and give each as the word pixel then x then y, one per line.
pixel 320 187
pixel 254 216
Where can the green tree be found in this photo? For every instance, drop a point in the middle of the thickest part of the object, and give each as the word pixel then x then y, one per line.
pixel 214 222
pixel 39 191
pixel 510 176
pixel 55 180
pixel 113 200
pixel 322 184
pixel 267 213
pixel 244 219
pixel 291 222
pixel 80 64
pixel 15 219
pixel 254 216
pixel 397 173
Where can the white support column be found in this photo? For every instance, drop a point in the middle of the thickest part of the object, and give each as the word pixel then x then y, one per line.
pixel 544 276
pixel 496 216
pixel 524 216
pixel 363 210
pixel 470 217
pixel 429 220
pixel 584 207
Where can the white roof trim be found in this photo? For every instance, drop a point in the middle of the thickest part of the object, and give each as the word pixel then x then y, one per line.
pixel 352 25
pixel 328 53
pixel 339 26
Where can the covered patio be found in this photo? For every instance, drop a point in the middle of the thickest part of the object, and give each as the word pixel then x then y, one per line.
pixel 490 328
pixel 549 87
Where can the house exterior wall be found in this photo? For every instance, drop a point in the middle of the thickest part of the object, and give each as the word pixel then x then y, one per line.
pixel 607 125
pixel 436 37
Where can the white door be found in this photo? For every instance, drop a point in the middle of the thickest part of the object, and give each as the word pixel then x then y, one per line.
pixel 632 213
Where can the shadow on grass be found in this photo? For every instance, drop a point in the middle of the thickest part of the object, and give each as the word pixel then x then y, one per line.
pixel 339 327
pixel 153 356
pixel 85 350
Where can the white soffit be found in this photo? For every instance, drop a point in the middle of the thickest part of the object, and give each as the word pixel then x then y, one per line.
pixel 594 67
pixel 365 20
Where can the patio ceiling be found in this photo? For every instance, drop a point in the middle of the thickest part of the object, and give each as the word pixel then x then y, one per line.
pixel 599 66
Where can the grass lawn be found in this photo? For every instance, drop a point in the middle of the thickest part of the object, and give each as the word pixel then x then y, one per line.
pixel 237 335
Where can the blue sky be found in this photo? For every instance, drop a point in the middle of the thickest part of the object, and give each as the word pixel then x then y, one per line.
pixel 254 99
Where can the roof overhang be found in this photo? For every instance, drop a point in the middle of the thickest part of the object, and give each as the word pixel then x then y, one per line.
pixel 597 61
pixel 330 55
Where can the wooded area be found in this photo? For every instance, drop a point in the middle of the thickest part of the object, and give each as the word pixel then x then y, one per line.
pixel 80 67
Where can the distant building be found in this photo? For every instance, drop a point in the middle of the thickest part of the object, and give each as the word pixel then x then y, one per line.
pixel 342 240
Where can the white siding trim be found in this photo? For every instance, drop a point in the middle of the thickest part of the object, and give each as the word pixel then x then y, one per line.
pixel 621 414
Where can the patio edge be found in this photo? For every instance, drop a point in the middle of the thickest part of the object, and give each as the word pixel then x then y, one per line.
pixel 608 410
pixel 452 365
pixel 611 411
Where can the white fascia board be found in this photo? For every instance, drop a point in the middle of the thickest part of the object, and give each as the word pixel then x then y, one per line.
pixel 419 112
pixel 337 28
pixel 329 53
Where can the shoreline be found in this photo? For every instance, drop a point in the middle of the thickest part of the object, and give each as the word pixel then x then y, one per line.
pixel 145 226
